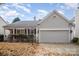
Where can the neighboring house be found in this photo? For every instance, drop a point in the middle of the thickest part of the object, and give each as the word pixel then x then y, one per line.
pixel 54 28
pixel 73 28
pixel 3 23
pixel 77 23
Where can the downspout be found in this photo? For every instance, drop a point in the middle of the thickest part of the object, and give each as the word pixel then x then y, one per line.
pixel 70 32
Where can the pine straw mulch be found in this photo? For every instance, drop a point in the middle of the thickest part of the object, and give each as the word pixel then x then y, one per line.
pixel 27 49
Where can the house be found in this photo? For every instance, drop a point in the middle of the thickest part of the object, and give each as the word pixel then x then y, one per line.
pixel 3 23
pixel 53 28
pixel 76 30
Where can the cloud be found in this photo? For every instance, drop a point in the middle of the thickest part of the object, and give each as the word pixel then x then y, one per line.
pixel 60 11
pixel 41 13
pixel 11 13
pixel 3 16
pixel 5 7
pixel 72 5
pixel 62 7
pixel 29 5
pixel 22 15
pixel 67 6
pixel 23 8
pixel 1 12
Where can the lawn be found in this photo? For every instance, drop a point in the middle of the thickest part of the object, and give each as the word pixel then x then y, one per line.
pixel 27 49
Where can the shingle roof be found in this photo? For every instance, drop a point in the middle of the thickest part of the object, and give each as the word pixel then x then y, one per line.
pixel 22 24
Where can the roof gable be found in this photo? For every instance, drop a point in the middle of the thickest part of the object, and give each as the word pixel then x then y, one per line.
pixel 51 13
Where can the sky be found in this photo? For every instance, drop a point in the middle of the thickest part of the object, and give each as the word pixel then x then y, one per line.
pixel 27 11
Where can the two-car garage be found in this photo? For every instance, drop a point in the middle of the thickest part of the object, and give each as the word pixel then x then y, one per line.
pixel 55 28
pixel 54 36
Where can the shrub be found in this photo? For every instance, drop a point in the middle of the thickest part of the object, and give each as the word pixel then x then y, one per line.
pixel 1 37
pixel 22 38
pixel 78 42
pixel 30 38
pixel 75 40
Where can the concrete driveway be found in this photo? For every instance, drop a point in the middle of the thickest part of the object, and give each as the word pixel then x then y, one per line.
pixel 62 49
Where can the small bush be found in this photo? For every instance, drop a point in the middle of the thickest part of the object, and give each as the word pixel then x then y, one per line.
pixel 78 42
pixel 30 38
pixel 75 40
pixel 1 37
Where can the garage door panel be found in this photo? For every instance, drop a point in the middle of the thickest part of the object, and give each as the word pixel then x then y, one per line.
pixel 54 36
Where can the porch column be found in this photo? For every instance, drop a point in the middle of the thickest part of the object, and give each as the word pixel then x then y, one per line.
pixel 37 34
pixel 16 31
pixel 27 31
pixel 13 33
pixel 4 35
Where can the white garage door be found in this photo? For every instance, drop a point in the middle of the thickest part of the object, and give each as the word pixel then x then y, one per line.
pixel 54 36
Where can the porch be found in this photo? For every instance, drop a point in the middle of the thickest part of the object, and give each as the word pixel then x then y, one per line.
pixel 21 31
pixel 21 35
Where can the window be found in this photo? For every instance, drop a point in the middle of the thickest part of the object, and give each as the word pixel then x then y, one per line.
pixel 34 31
pixel 22 31
pixel 28 31
pixel 31 31
pixel 18 32
pixel 11 31
pixel 15 31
